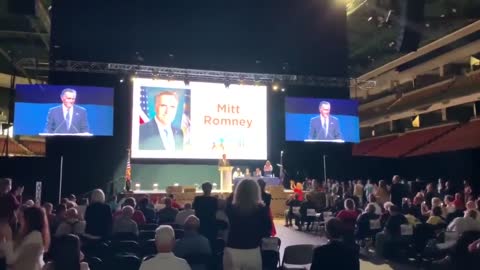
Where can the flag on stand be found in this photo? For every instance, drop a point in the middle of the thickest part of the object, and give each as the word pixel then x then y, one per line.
pixel 128 173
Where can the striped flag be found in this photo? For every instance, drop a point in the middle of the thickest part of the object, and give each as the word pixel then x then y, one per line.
pixel 143 106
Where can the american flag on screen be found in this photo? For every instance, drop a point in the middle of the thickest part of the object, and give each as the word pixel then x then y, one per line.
pixel 143 106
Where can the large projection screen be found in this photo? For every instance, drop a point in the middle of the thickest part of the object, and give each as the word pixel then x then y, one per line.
pixel 198 121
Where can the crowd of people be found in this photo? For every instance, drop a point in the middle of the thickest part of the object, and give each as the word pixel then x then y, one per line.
pixel 439 222
pixel 425 219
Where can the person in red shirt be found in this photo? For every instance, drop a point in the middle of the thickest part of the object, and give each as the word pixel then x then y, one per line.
pixel 349 216
pixel 174 202
pixel 138 216
pixel 459 202
pixel 297 189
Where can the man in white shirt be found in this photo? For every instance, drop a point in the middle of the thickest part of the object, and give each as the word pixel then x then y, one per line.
pixel 465 224
pixel 165 259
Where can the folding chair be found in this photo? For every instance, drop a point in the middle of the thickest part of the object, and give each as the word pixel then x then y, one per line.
pixel 297 255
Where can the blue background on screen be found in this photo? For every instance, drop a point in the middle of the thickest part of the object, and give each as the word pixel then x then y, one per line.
pixel 30 118
pixel 297 126
pixel 299 111
pixel 34 101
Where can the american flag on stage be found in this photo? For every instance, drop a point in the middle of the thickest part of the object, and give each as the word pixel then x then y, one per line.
pixel 143 106
pixel 128 170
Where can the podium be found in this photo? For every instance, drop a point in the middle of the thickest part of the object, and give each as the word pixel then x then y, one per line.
pixel 225 178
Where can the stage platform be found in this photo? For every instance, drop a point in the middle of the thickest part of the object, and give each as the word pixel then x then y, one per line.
pixel 279 196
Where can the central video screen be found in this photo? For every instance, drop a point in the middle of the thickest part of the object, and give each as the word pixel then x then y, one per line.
pixel 321 120
pixel 198 120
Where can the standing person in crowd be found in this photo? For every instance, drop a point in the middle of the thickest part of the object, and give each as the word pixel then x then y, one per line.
pixel 66 254
pixel 60 215
pixel 249 223
pixel 429 195
pixel 34 240
pixel 8 203
pixel 441 187
pixel 383 192
pixel 335 254
pixel 18 193
pixel 298 189
pixel 82 207
pixel 358 192
pixel 98 217
pixel 205 207
pixel 397 191
pixel 267 199
pixel 165 259
pixel 459 202
pixel 368 189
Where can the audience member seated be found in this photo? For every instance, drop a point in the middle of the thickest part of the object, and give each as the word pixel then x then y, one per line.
pixel 147 209
pixel 65 254
pixel 205 207
pixel 368 223
pixel 436 218
pixel 373 200
pixel 449 205
pixel 459 201
pixel 335 254
pixel 165 259
pixel 193 243
pixel 391 235
pixel 71 225
pixel 471 205
pixel 125 222
pixel 98 217
pixel 138 216
pixel 297 189
pixel 167 214
pixel 291 202
pixel 26 253
pixel 348 217
pixel 249 223
pixel 184 214
pixel 174 201
pixel 113 203
pixel 304 217
pixel 464 224
pixel 429 195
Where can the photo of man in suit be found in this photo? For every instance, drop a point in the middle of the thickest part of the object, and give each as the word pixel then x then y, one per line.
pixel 67 118
pixel 159 133
pixel 324 126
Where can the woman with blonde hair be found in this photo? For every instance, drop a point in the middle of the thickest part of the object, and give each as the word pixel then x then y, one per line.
pixel 382 193
pixel 249 223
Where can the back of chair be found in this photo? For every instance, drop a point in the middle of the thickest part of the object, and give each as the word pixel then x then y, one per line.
pixel 298 254
pixel 94 263
pixel 148 227
pixel 125 262
pixel 270 259
pixel 199 260
pixel 124 236
pixel 148 247
pixel 131 247
pixel 97 249
pixel 145 235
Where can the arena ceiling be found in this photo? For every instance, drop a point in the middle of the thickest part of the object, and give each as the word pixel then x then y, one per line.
pixel 371 37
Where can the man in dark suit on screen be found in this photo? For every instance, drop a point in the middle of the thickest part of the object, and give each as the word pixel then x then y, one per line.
pixel 324 126
pixel 67 118
pixel 158 133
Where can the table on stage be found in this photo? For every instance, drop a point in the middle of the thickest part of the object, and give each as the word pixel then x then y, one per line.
pixel 270 181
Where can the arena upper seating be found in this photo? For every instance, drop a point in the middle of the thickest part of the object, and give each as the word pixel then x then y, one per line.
pixel 368 145
pixel 465 137
pixel 37 147
pixel 14 148
pixel 409 141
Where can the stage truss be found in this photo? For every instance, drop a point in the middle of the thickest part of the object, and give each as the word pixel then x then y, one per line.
pixel 36 66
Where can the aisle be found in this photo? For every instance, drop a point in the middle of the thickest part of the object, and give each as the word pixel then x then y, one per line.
pixel 290 236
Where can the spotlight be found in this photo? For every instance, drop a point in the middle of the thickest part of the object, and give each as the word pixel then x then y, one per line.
pixel 275 87
pixel 155 186
pixel 121 80
pixel 176 185
pixel 137 186
pixel 283 90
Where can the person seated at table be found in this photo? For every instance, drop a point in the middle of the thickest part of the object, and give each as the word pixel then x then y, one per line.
pixel 289 215
pixel 268 168
pixel 307 204
pixel 237 173
pixel 258 172
pixel 247 172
